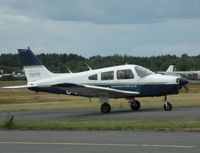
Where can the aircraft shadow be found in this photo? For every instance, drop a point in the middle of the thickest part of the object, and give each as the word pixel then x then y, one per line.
pixel 97 113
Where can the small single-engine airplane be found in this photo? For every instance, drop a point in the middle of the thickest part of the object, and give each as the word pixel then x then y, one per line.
pixel 192 76
pixel 126 81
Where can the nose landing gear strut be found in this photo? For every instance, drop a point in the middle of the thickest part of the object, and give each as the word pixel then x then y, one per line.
pixel 167 105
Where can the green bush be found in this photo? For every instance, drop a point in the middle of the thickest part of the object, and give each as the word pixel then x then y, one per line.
pixel 11 78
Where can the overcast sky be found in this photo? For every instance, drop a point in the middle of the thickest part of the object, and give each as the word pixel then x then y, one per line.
pixel 101 27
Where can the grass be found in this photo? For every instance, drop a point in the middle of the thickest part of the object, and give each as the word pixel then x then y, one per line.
pixel 23 99
pixel 152 125
pixel 13 100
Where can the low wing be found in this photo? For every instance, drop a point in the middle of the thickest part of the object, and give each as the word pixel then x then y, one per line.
pixel 95 91
pixel 85 90
pixel 18 87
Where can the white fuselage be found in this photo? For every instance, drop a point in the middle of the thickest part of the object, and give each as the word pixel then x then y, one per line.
pixel 83 78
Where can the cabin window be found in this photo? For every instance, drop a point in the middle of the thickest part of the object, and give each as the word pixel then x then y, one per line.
pixel 142 72
pixel 125 74
pixel 93 77
pixel 107 75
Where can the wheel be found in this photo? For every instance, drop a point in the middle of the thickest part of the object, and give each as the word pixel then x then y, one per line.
pixel 105 108
pixel 167 106
pixel 135 105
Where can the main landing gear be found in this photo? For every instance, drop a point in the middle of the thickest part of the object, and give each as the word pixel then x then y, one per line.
pixel 105 108
pixel 135 104
pixel 167 105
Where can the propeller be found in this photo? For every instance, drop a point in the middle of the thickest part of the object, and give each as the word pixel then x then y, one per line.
pixel 186 88
pixel 183 82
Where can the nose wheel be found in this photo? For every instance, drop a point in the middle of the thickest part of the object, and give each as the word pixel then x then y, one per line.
pixel 167 105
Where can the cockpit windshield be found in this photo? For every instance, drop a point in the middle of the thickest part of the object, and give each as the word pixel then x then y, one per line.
pixel 142 72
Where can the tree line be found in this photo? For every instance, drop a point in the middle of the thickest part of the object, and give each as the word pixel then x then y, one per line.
pixel 58 63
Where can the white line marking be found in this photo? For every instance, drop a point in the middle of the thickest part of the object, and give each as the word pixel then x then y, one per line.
pixel 98 144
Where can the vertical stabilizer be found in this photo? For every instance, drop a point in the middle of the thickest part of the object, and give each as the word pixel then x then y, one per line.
pixel 170 68
pixel 33 67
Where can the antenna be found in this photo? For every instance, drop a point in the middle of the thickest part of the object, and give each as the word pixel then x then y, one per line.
pixel 88 66
pixel 28 48
pixel 68 69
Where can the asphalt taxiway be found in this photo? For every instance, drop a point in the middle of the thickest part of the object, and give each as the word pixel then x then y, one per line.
pixel 116 114
pixel 18 141
pixel 23 141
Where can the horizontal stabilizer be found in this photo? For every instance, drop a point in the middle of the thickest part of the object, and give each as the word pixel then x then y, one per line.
pixel 18 87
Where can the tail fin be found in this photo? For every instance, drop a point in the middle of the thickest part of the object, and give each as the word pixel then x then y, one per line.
pixel 33 67
pixel 170 68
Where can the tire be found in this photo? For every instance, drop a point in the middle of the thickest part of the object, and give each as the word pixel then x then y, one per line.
pixel 105 108
pixel 135 105
pixel 167 107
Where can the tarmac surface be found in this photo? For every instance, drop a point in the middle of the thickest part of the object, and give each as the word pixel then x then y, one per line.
pixel 23 141
pixel 19 141
pixel 116 114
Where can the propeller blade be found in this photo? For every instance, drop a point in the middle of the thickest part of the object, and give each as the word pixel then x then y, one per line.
pixel 186 88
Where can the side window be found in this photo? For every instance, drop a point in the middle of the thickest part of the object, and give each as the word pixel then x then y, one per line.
pixel 125 74
pixel 93 77
pixel 107 75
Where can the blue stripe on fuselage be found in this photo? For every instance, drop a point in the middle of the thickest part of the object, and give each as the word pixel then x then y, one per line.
pixel 151 90
pixel 55 91
pixel 144 90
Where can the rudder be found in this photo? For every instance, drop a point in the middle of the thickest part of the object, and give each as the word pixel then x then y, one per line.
pixel 33 67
